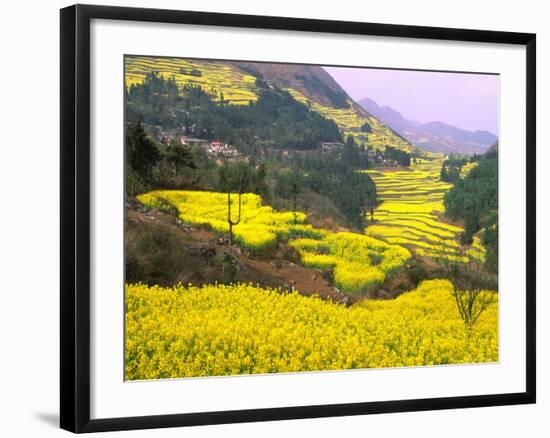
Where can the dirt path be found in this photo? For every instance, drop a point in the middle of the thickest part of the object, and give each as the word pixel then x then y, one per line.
pixel 276 270
pixel 306 281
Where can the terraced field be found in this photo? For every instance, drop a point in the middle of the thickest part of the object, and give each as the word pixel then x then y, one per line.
pixel 350 120
pixel 214 77
pixel 239 88
pixel 357 261
pixel 412 199
pixel 412 204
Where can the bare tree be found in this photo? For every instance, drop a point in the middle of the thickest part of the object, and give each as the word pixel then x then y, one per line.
pixel 234 178
pixel 472 283
pixel 232 222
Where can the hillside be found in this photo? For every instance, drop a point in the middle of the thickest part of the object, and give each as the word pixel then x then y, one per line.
pixel 433 136
pixel 412 209
pixel 311 81
pixel 356 262
pixel 493 148
pixel 274 225
pixel 240 83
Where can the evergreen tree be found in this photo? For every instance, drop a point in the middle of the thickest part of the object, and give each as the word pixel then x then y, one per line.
pixel 475 199
pixel 141 152
pixel 180 156
pixel 351 151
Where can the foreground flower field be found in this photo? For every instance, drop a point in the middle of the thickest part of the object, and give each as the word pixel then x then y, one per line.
pixel 242 329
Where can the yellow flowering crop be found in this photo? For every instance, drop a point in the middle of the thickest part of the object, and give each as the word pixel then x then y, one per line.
pixel 260 225
pixel 466 169
pixel 351 119
pixel 359 261
pixel 412 203
pixel 215 77
pixel 242 329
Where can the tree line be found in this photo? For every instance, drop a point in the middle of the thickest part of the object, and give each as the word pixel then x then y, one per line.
pixel 192 111
pixel 475 200
pixel 452 166
pixel 277 136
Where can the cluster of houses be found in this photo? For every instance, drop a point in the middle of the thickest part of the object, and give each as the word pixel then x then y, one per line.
pixel 216 150
pixel 219 151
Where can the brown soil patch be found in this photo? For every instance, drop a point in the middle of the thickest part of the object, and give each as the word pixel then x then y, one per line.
pixel 199 234
pixel 276 268
pixel 295 277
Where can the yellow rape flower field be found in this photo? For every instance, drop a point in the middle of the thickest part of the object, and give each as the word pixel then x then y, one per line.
pixel 358 261
pixel 260 225
pixel 412 203
pixel 215 77
pixel 239 88
pixel 216 330
pixel 234 329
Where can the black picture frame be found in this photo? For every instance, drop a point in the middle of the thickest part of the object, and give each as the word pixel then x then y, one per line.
pixel 75 217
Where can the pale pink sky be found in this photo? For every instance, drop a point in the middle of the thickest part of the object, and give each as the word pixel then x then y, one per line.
pixel 469 101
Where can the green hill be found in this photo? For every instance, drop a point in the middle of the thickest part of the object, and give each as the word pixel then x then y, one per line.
pixel 239 83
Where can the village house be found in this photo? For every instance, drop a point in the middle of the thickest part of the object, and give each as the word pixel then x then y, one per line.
pixel 220 151
pixel 216 150
pixel 191 141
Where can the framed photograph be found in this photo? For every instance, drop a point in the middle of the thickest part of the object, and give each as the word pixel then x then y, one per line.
pixel 268 218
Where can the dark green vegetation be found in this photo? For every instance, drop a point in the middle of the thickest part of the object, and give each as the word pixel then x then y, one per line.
pixel 475 200
pixel 277 139
pixel 452 166
pixel 366 128
pixel 401 157
pixel 332 175
pixel 276 116
pixel 149 163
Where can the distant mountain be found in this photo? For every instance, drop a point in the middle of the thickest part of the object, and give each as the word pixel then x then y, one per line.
pixel 433 136
pixel 315 87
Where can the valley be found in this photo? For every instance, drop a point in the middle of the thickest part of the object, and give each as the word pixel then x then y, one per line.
pixel 275 225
